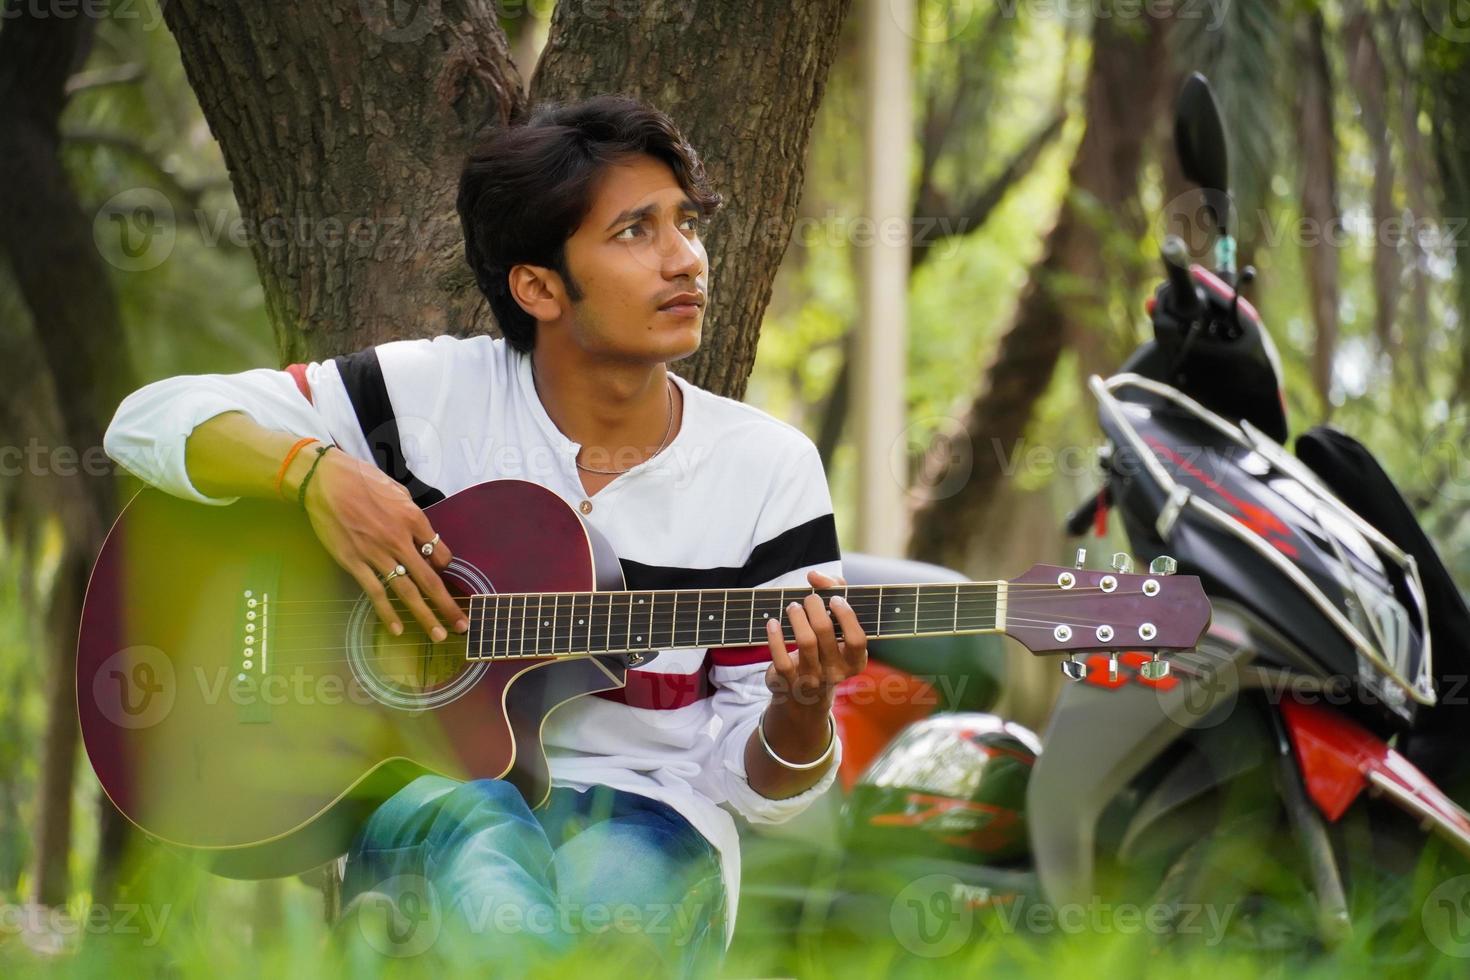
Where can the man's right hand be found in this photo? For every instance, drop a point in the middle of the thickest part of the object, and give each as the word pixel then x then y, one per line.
pixel 369 523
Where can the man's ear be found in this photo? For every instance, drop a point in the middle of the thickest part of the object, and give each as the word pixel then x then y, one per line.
pixel 538 290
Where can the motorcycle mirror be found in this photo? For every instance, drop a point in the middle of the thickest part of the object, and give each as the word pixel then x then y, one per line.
pixel 1199 139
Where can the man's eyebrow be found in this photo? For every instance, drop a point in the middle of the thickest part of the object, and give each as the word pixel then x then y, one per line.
pixel 639 213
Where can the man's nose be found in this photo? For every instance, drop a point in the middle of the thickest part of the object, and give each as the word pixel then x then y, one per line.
pixel 684 257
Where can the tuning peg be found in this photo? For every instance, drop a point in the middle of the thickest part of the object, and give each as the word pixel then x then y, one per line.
pixel 1122 563
pixel 1163 565
pixel 1081 558
pixel 1156 669
pixel 1074 670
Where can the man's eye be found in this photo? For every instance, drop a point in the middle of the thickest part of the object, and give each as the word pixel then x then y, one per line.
pixel 624 233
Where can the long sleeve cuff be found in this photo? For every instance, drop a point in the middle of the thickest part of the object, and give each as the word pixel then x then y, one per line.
pixel 150 431
pixel 750 803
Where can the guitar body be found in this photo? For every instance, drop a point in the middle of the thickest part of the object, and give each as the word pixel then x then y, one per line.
pixel 264 741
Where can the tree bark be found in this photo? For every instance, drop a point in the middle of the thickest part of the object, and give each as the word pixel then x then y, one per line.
pixel 344 128
pixel 1318 156
pixel 1065 289
pixel 1447 84
pixel 48 242
pixel 1369 77
pixel 743 82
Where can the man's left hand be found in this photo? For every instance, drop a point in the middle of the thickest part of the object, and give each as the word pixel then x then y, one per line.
pixel 821 661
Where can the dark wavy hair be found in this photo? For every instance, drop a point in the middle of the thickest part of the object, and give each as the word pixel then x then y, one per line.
pixel 526 188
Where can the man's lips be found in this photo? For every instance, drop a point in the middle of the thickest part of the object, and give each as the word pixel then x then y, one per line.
pixel 684 304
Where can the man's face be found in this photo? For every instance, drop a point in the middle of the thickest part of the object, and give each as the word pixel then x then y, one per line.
pixel 634 253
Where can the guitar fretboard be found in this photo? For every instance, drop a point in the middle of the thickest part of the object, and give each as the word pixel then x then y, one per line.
pixel 543 624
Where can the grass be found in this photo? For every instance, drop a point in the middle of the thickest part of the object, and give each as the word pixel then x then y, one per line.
pixel 173 920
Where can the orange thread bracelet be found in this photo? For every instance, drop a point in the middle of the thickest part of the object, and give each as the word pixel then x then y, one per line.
pixel 285 463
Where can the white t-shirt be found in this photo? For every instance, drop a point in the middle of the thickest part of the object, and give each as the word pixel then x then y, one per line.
pixel 737 500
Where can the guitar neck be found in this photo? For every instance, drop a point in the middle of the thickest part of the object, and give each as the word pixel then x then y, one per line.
pixel 541 624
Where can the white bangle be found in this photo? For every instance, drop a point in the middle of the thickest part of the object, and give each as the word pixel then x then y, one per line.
pixel 760 727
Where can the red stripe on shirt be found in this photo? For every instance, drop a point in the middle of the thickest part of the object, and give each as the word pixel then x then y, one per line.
pixel 651 689
pixel 298 371
pixel 740 656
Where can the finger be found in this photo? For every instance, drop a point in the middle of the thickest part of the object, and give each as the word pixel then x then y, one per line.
pixel 403 586
pixel 783 664
pixel 372 586
pixel 423 533
pixel 809 661
pixel 854 640
pixel 442 556
pixel 829 657
pixel 435 591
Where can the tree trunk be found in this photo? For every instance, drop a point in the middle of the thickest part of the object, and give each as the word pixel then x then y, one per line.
pixel 1369 77
pixel 48 243
pixel 344 128
pixel 743 82
pixel 1318 181
pixel 1066 287
pixel 1447 80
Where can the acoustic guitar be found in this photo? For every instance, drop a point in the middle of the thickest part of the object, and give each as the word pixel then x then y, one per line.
pixel 238 696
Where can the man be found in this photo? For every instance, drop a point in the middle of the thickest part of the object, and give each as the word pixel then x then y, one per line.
pixel 582 226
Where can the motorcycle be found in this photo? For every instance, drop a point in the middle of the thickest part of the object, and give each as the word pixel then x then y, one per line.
pixel 1298 774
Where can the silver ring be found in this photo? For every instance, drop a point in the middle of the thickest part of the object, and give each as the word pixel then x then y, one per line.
pixel 427 548
pixel 397 571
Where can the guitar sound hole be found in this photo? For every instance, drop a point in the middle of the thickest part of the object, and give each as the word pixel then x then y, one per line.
pixel 411 671
pixel 415 664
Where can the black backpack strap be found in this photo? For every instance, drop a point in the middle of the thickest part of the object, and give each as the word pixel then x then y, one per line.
pixel 362 376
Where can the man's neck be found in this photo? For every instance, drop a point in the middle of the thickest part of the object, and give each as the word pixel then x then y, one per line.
pixel 607 405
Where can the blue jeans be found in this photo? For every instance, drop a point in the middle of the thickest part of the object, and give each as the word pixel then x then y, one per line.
pixel 471 869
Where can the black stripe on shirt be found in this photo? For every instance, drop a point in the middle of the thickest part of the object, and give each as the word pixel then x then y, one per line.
pixel 362 375
pixel 811 543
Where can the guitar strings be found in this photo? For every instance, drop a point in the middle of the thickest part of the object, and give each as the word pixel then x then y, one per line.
pixel 932 614
pixel 1012 589
pixel 458 657
pixel 420 644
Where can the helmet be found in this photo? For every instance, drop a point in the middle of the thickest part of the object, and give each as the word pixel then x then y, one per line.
pixel 951 786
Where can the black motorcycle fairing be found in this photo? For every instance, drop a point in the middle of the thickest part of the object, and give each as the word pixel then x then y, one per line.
pixel 1350 469
pixel 1160 445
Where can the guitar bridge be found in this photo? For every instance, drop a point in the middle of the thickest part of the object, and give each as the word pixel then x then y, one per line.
pixel 251 662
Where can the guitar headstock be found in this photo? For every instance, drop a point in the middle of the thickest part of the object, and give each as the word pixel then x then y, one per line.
pixel 1052 609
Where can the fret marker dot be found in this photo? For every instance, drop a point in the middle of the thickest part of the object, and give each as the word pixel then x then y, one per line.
pixel 640 602
pixel 579 622
pixel 765 615
pixel 711 616
pixel 638 638
pixel 546 622
pixel 898 608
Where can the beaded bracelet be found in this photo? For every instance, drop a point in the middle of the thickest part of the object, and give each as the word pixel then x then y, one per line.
pixel 760 726
pixel 301 490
